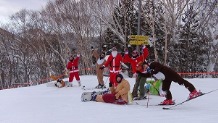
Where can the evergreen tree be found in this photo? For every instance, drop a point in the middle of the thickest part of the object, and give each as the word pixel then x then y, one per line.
pixel 190 45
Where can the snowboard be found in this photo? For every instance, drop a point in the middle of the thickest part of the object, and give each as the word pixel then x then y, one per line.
pixel 88 96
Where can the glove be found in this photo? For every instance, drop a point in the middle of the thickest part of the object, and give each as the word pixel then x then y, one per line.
pixel 102 67
pixel 134 75
pixel 148 86
pixel 143 47
pixel 148 70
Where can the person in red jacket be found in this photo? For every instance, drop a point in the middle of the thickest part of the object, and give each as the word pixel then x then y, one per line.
pixel 136 63
pixel 114 63
pixel 135 59
pixel 72 67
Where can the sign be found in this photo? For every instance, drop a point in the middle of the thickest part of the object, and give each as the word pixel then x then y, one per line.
pixel 138 40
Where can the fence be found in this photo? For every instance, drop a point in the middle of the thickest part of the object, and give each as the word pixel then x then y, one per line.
pixel 50 78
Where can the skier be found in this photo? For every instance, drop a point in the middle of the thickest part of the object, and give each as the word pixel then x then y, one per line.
pixel 168 75
pixel 120 95
pixel 114 63
pixel 136 63
pixel 99 72
pixel 72 67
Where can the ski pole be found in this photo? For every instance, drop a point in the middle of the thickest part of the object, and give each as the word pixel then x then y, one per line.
pixel 148 98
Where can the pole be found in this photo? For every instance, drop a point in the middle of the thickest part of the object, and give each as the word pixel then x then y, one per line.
pixel 139 22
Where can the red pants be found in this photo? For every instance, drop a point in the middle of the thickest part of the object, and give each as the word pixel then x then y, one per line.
pixel 113 80
pixel 110 98
pixel 71 76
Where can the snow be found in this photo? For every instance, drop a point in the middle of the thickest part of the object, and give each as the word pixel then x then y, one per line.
pixel 42 104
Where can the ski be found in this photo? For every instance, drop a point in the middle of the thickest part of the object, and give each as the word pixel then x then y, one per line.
pixel 167 108
pixel 136 103
pixel 137 98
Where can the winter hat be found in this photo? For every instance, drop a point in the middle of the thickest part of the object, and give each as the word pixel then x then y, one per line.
pixel 71 58
pixel 121 78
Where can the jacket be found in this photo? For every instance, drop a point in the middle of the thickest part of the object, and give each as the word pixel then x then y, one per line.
pixel 122 90
pixel 114 63
pixel 135 63
pixel 72 66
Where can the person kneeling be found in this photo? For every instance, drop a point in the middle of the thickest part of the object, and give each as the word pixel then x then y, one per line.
pixel 121 93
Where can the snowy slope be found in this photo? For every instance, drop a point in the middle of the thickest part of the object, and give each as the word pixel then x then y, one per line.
pixel 42 104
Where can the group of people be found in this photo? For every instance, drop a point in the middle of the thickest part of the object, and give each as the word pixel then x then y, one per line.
pixel 120 87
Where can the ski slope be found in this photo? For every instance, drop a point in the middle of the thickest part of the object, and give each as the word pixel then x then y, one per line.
pixel 42 104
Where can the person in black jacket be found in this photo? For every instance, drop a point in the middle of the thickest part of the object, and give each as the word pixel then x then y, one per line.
pixel 167 75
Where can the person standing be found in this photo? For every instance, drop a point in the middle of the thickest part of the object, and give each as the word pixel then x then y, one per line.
pixel 141 80
pixel 136 64
pixel 72 67
pixel 99 72
pixel 114 63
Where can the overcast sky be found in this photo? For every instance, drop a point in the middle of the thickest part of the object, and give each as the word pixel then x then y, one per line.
pixel 9 7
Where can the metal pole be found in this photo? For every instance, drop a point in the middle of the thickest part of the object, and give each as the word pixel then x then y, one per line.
pixel 139 21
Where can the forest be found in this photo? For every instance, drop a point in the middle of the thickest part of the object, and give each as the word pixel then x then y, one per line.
pixel 34 45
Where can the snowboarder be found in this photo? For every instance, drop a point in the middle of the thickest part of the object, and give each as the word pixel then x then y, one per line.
pixel 168 75
pixel 120 95
pixel 72 67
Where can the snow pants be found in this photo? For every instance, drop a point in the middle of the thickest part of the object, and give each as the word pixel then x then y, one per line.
pixel 72 75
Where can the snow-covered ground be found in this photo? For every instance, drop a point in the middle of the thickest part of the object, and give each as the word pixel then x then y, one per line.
pixel 42 104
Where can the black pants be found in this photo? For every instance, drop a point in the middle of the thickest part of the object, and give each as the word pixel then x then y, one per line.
pixel 167 82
